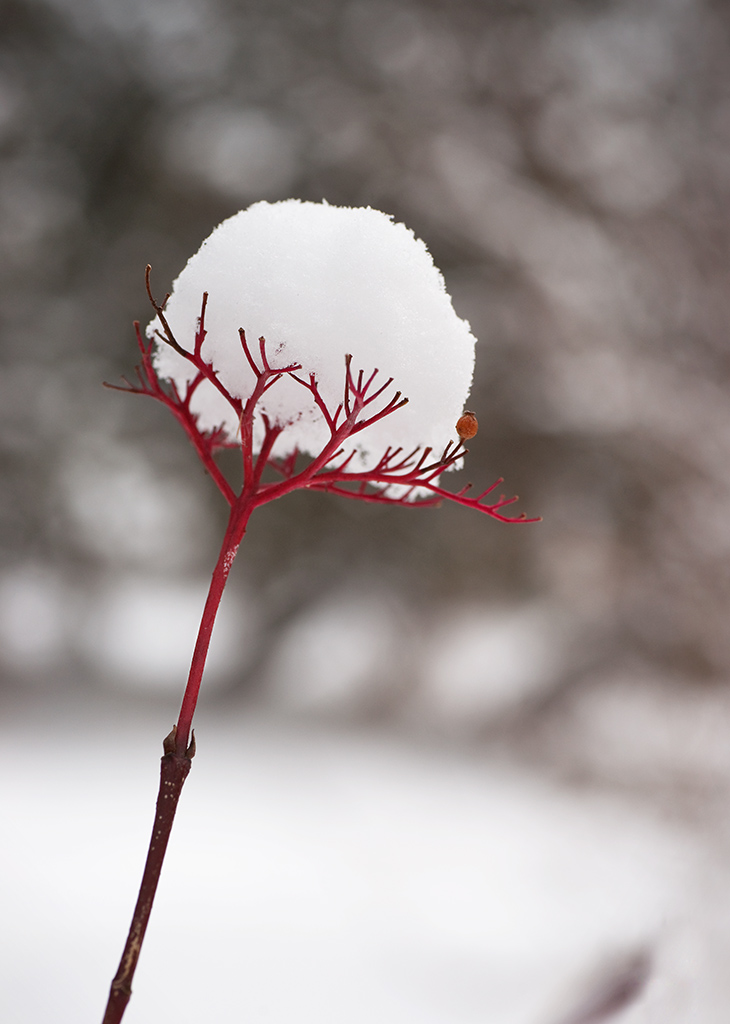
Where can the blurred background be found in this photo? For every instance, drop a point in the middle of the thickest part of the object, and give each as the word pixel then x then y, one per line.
pixel 568 165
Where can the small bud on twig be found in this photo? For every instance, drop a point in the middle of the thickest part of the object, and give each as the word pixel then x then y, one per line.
pixel 168 744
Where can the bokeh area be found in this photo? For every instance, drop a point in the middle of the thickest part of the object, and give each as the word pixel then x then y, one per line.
pixel 450 771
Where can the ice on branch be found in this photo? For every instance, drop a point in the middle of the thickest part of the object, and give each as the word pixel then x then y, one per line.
pixel 319 282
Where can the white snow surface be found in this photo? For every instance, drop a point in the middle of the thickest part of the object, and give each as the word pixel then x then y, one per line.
pixel 318 282
pixel 321 877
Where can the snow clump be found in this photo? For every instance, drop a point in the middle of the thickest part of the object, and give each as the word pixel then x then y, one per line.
pixel 317 282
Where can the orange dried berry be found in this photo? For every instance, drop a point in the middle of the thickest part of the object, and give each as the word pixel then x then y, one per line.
pixel 467 426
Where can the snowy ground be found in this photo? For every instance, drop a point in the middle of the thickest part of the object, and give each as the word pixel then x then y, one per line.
pixel 340 878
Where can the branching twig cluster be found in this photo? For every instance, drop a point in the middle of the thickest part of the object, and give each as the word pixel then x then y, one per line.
pixel 398 478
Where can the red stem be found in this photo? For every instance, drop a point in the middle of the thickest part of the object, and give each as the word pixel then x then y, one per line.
pixel 240 514
pixel 179 746
pixel 179 749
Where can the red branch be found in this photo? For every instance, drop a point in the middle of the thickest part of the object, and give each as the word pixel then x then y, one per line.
pixel 409 480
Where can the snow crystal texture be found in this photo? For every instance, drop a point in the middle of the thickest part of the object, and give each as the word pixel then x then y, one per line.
pixel 320 281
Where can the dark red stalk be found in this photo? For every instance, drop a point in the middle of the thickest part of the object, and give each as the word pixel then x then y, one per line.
pixel 179 749
pixel 174 769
